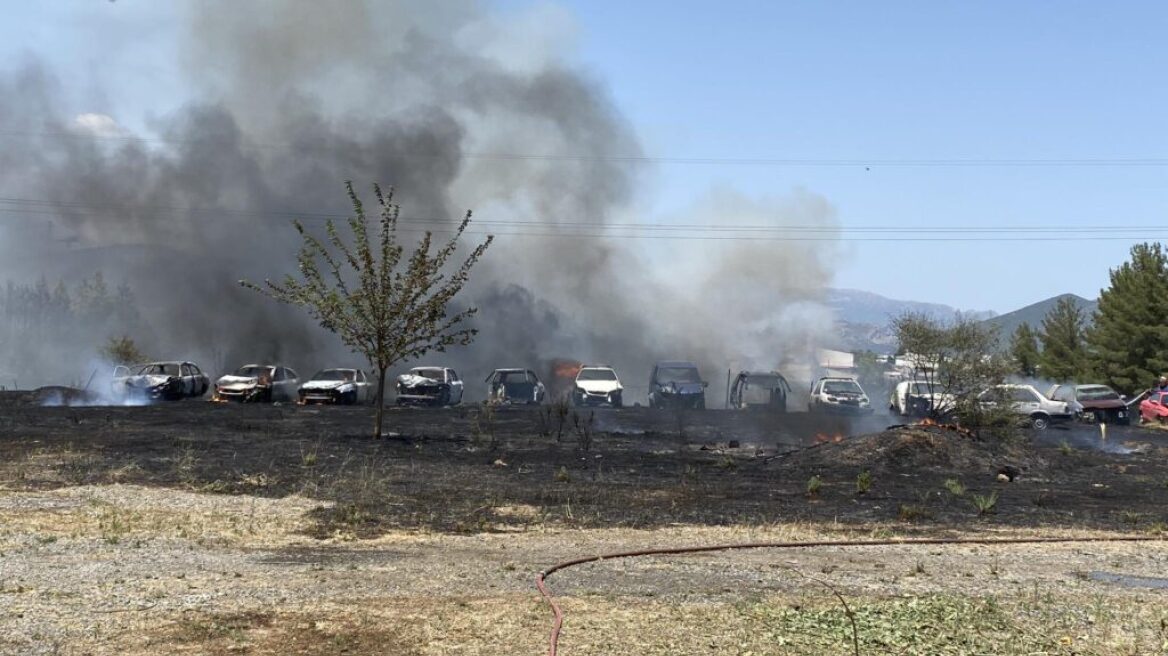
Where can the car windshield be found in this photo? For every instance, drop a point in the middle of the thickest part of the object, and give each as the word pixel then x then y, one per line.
pixel 842 387
pixel 764 381
pixel 596 374
pixel 433 373
pixel 255 372
pixel 923 388
pixel 512 377
pixel 678 375
pixel 1097 393
pixel 335 374
pixel 159 369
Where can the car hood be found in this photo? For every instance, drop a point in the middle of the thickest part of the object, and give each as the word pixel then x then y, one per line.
pixel 599 386
pixel 325 385
pixel 238 382
pixel 682 388
pixel 147 380
pixel 413 380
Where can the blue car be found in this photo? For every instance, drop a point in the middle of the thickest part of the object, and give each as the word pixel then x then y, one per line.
pixel 677 384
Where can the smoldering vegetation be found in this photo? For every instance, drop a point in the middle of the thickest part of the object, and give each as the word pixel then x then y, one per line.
pixel 453 105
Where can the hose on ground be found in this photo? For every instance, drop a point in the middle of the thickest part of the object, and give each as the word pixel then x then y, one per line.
pixel 558 613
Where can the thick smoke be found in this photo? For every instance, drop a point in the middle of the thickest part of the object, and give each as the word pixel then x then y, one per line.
pixel 446 102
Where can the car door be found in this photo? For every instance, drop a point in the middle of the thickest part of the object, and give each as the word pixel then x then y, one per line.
pixel 186 379
pixel 1026 401
pixel 291 384
pixel 456 386
pixel 201 381
pixel 363 394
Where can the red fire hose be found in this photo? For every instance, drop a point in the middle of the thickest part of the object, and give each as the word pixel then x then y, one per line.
pixel 558 613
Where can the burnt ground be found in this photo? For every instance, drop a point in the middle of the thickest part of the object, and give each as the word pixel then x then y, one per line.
pixel 453 469
pixel 194 527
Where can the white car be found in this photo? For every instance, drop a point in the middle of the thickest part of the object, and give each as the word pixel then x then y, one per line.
pixel 597 385
pixel 839 395
pixel 918 397
pixel 337 386
pixel 258 383
pixel 429 386
pixel 1028 402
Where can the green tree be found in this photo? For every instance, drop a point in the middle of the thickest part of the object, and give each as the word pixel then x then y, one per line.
pixel 1064 350
pixel 1127 343
pixel 382 305
pixel 122 351
pixel 959 362
pixel 1024 350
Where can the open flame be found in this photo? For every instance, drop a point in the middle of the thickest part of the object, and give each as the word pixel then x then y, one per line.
pixel 929 422
pixel 566 369
pixel 824 438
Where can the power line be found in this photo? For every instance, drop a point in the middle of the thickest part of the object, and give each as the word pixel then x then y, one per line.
pixel 43 207
pixel 970 162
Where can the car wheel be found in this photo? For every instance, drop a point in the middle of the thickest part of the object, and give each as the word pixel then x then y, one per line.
pixel 617 401
pixel 1039 422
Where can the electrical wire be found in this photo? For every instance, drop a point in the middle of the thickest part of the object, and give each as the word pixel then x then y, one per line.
pixel 592 229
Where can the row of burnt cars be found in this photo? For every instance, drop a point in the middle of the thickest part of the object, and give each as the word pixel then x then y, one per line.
pixel 671 384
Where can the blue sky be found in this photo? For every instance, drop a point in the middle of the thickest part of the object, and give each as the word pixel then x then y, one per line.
pixel 813 80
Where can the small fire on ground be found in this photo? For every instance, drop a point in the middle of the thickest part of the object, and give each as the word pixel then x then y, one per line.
pixel 824 438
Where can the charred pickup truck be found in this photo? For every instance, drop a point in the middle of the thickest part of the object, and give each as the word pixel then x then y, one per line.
pixel 258 383
pixel 1092 403
pixel 514 386
pixel 677 384
pixel 429 386
pixel 337 387
pixel 160 380
pixel 759 390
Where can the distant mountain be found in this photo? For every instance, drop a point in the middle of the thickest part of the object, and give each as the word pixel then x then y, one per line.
pixel 863 318
pixel 858 307
pixel 1033 314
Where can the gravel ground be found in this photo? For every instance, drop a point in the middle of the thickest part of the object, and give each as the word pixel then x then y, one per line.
pixel 125 569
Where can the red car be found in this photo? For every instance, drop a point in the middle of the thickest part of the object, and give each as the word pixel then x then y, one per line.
pixel 1154 409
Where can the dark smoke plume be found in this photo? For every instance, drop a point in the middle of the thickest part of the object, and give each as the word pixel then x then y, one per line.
pixel 291 98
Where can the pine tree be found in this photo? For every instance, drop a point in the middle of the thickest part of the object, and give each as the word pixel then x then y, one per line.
pixel 1128 342
pixel 1064 350
pixel 1024 351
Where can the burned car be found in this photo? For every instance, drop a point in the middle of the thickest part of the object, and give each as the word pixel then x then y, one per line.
pixel 429 386
pixel 919 398
pixel 258 383
pixel 839 395
pixel 1093 403
pixel 597 385
pixel 160 381
pixel 336 386
pixel 677 384
pixel 513 386
pixel 759 390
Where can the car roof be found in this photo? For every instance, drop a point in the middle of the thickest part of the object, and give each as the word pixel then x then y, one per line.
pixel 676 363
pixel 595 366
pixel 510 370
pixel 760 373
pixel 851 378
pixel 428 367
pixel 339 369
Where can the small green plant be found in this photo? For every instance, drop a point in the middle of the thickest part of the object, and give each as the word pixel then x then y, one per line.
pixel 1065 448
pixel 1130 517
pixel 955 487
pixel 814 484
pixel 986 505
pixel 863 482
pixel 562 476
pixel 727 463
pixel 907 512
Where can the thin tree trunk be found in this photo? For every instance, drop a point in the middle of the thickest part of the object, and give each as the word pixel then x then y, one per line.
pixel 380 400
